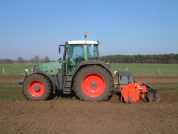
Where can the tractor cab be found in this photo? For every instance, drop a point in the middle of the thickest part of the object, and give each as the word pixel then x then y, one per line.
pixel 78 51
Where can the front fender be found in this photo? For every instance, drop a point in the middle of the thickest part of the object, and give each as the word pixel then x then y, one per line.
pixel 50 78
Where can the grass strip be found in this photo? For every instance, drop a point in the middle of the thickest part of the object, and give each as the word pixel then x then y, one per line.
pixel 138 69
pixel 12 91
pixel 165 87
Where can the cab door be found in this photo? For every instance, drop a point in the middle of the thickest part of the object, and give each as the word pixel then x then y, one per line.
pixel 75 56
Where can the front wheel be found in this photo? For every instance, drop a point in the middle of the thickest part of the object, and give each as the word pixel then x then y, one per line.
pixel 36 87
pixel 93 83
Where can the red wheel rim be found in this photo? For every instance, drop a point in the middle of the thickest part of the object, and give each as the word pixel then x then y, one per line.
pixel 93 85
pixel 39 88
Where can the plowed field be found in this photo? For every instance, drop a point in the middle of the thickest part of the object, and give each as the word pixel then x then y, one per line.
pixel 52 117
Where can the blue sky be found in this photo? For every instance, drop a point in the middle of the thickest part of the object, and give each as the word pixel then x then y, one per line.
pixel 128 27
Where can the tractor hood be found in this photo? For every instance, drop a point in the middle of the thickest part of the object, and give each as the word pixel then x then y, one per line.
pixel 51 68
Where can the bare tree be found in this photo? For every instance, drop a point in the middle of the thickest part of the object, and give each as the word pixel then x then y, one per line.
pixel 42 60
pixel 36 59
pixel 20 59
pixel 32 60
pixel 46 59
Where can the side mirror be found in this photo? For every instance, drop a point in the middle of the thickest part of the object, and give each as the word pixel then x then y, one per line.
pixel 59 48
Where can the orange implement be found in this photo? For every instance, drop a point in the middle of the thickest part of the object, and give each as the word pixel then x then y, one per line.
pixel 132 91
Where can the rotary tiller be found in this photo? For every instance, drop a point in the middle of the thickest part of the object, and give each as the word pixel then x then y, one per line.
pixel 131 91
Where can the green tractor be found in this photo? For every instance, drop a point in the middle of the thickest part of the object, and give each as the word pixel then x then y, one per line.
pixel 81 70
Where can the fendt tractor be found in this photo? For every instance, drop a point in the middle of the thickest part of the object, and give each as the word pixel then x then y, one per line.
pixel 82 71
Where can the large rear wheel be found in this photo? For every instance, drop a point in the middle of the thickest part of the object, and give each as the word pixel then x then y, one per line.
pixel 36 87
pixel 93 83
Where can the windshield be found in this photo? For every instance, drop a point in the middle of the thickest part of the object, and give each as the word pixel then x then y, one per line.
pixel 92 52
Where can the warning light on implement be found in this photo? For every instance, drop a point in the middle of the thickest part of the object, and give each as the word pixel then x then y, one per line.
pixel 85 34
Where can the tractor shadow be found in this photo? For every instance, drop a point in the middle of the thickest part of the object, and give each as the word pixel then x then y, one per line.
pixel 60 96
pixel 116 97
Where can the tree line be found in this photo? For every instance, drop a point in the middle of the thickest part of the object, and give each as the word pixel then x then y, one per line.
pixel 161 58
pixel 20 60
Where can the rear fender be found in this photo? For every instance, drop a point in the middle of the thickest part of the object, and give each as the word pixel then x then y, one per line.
pixel 85 63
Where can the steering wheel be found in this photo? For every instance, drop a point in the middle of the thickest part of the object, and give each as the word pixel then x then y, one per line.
pixel 79 58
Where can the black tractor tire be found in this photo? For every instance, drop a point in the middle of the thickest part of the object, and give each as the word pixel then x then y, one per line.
pixel 37 87
pixel 93 83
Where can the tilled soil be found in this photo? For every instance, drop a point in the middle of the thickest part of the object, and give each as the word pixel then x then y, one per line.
pixel 10 78
pixel 113 116
pixel 52 117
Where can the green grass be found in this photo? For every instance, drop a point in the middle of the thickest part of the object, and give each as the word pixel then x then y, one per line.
pixel 165 87
pixel 139 69
pixel 142 69
pixel 12 91
pixel 15 69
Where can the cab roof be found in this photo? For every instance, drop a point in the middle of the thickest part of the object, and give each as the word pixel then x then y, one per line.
pixel 82 42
